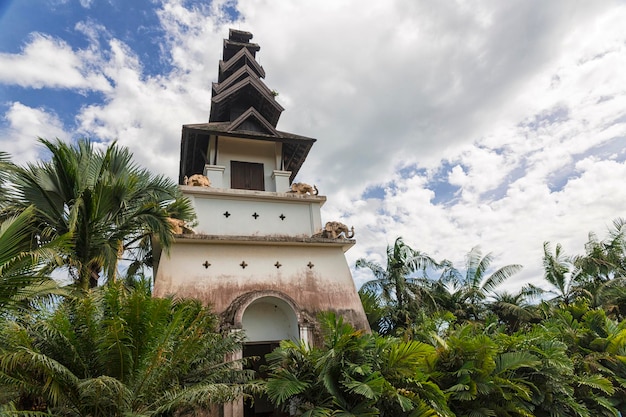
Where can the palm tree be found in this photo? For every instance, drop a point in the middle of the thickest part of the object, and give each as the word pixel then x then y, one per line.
pixel 611 295
pixel 376 311
pixel 515 310
pixel 473 287
pixel 604 261
pixel 106 203
pixel 394 282
pixel 560 272
pixel 119 352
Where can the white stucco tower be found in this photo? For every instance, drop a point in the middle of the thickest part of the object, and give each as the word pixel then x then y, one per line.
pixel 256 255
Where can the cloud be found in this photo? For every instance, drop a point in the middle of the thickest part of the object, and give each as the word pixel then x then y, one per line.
pixel 49 62
pixel 396 84
pixel 145 113
pixel 142 112
pixel 550 167
pixel 23 126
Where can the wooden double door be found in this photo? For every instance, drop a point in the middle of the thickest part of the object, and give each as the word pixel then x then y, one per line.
pixel 247 176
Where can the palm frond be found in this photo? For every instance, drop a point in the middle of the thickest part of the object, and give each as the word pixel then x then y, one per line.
pixel 499 276
pixel 284 385
pixel 22 266
pixel 510 361
pixel 597 382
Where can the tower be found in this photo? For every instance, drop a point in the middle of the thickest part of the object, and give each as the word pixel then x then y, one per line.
pixel 258 254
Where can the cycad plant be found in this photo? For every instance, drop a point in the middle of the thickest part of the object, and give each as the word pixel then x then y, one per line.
pixel 118 352
pixel 482 374
pixel 353 374
pixel 595 345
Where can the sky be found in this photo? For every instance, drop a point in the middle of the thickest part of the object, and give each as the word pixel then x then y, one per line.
pixel 449 123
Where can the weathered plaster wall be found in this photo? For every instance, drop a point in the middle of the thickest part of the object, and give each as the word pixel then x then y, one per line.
pixel 326 286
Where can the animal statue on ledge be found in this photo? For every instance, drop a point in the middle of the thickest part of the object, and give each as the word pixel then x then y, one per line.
pixel 302 188
pixel 179 227
pixel 334 230
pixel 197 180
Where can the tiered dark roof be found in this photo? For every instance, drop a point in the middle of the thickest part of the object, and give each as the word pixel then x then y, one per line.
pixel 241 106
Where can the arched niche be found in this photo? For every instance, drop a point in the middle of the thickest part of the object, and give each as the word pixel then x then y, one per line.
pixel 268 319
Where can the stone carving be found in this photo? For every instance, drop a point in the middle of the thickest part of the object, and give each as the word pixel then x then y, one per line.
pixel 302 188
pixel 197 180
pixel 179 227
pixel 333 230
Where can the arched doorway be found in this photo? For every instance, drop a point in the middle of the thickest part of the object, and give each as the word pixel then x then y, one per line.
pixel 270 319
pixel 266 321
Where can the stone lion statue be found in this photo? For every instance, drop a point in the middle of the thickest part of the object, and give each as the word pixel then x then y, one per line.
pixel 197 180
pixel 302 188
pixel 179 226
pixel 333 230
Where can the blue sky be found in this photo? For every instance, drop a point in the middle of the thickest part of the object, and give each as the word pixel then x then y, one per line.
pixel 133 22
pixel 451 124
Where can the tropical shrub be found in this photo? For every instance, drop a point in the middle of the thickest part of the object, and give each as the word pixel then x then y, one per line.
pixel 116 351
pixel 353 374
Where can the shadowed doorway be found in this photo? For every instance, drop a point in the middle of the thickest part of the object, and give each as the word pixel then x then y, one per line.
pixel 266 321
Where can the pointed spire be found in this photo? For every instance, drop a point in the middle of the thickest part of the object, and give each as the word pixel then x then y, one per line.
pixel 239 87
pixel 242 106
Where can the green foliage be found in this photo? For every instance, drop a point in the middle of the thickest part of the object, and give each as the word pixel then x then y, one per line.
pixel 398 286
pixel 354 374
pixel 22 273
pixel 105 203
pixel 376 311
pixel 118 351
pixel 468 291
pixel 5 167
pixel 500 354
